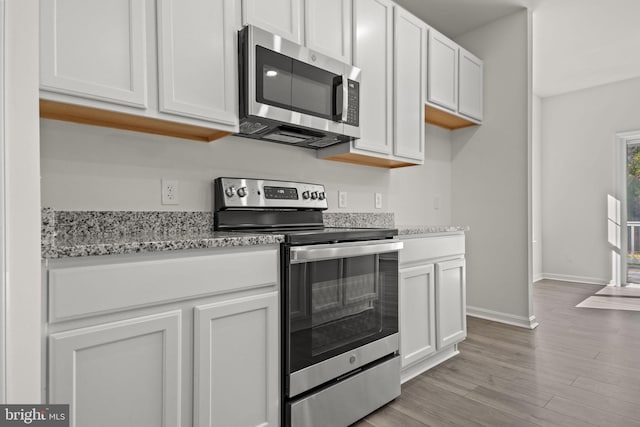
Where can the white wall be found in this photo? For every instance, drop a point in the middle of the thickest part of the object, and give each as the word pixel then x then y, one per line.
pixel 536 162
pixel 22 203
pixel 490 167
pixel 92 168
pixel 422 194
pixel 578 159
pixel 3 246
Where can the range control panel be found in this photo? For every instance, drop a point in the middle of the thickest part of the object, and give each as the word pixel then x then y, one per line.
pixel 250 193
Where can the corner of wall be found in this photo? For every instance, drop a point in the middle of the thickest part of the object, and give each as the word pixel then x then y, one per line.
pixel 491 171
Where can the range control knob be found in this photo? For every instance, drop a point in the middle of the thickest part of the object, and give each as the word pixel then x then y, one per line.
pixel 242 191
pixel 230 191
pixel 314 195
pixel 321 195
pixel 305 195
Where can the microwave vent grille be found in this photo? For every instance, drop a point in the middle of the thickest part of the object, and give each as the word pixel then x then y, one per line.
pixel 249 128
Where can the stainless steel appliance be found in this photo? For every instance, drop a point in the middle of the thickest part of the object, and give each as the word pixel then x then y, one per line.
pixel 293 95
pixel 339 306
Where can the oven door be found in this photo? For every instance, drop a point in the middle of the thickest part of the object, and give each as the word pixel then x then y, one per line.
pixel 340 309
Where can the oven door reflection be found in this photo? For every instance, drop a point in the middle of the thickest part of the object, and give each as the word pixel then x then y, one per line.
pixel 339 304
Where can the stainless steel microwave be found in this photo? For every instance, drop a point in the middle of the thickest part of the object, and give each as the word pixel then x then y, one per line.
pixel 293 95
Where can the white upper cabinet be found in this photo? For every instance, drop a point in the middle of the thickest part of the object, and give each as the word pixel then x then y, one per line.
pixel 167 66
pixel 197 42
pixel 443 71
pixel 471 79
pixel 390 47
pixel 454 84
pixel 327 27
pixel 373 54
pixel 281 17
pixel 410 46
pixel 95 49
pixel 321 25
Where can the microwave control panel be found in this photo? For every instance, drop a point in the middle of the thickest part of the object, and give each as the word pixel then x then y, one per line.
pixel 353 111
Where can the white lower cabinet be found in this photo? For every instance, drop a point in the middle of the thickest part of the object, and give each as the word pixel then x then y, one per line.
pixel 450 302
pixel 432 301
pixel 417 308
pixel 123 373
pixel 234 343
pixel 142 347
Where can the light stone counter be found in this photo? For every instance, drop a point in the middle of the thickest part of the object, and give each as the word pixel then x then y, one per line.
pixel 88 233
pixel 406 230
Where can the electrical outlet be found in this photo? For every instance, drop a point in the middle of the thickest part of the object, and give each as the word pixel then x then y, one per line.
pixel 342 199
pixel 378 200
pixel 169 192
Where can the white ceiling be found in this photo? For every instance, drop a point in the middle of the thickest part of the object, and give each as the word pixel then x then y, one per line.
pixel 576 43
pixel 456 17
pixel 584 43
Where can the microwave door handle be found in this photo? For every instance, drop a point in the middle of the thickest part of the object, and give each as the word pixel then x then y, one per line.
pixel 338 98
pixel 345 98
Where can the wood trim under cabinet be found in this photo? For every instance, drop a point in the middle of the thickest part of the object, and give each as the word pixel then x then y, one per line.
pixel 435 116
pixel 360 159
pixel 93 116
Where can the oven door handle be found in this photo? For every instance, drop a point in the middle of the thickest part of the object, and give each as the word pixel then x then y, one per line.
pixel 300 254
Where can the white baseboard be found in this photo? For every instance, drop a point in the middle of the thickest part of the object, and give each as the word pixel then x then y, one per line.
pixel 509 319
pixel 576 279
pixel 417 368
pixel 538 277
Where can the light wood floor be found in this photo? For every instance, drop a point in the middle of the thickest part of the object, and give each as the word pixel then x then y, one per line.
pixel 580 367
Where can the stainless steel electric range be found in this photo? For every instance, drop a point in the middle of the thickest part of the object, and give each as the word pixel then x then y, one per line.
pixel 339 300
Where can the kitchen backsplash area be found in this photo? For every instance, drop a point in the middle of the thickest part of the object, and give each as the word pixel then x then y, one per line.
pixel 88 168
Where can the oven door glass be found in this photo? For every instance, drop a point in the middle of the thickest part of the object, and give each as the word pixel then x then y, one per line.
pixel 335 305
pixel 287 83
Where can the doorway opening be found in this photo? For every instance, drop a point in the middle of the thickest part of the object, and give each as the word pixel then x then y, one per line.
pixel 633 210
pixel 624 212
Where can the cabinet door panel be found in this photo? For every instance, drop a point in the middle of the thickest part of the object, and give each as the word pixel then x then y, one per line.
pixel 281 17
pixel 327 27
pixel 236 362
pixel 373 54
pixel 470 90
pixel 417 313
pixel 410 38
pixel 451 302
pixel 94 49
pixel 443 71
pixel 197 42
pixel 123 373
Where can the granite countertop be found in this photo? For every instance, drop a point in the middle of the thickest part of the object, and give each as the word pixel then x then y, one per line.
pixel 406 230
pixel 88 233
pixel 105 244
